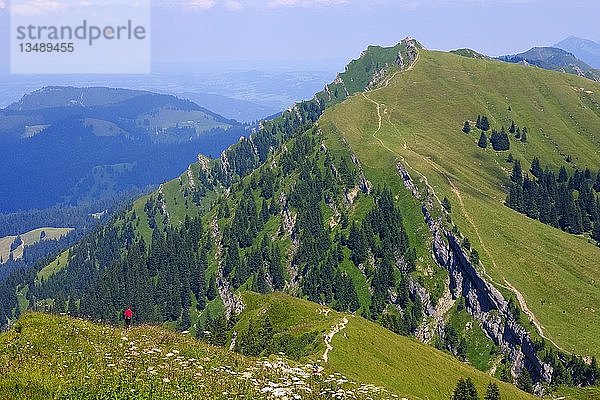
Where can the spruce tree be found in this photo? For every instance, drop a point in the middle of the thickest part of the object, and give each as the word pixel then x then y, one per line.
pixel 465 390
pixel 211 292
pixel 524 381
pixel 186 321
pixel 492 392
pixel 536 170
pixel 485 125
pixel 597 183
pixel 466 127
pixel 482 140
pixel 474 258
pixel 596 232
pixel 446 204
pixel 471 390
pixel 562 175
pixel 517 173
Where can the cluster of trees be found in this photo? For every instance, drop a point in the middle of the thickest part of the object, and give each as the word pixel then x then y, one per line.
pixel 466 390
pixel 570 369
pixel 499 139
pixel 568 202
pixel 482 123
pixel 455 343
pixel 214 328
pixel 16 243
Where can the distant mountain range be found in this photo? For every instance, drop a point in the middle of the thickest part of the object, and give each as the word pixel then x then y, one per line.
pixel 584 49
pixel 68 144
pixel 556 59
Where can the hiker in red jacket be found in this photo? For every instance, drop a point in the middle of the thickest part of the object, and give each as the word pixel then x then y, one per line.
pixel 127 315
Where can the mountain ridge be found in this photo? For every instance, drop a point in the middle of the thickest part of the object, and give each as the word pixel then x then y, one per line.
pixel 553 58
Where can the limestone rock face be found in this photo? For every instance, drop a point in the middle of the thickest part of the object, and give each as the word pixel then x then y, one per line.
pixel 482 300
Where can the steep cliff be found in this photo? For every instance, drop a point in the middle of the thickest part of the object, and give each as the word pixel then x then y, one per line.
pixel 483 301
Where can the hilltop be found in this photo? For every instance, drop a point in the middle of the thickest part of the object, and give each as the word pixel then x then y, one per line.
pixel 12 247
pixel 72 145
pixel 513 248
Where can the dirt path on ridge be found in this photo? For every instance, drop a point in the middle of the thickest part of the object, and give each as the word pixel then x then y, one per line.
pixel 458 194
pixel 328 337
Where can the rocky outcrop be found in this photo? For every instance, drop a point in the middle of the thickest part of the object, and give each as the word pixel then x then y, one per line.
pixel 378 78
pixel 408 182
pixel 411 49
pixel 233 302
pixel 482 300
pixel 399 61
pixel 486 304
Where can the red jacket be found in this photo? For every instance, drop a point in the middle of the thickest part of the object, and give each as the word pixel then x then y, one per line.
pixel 128 313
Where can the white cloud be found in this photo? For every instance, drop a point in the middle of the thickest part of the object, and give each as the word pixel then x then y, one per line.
pixel 199 5
pixel 37 7
pixel 2 4
pixel 233 5
pixel 237 5
pixel 305 3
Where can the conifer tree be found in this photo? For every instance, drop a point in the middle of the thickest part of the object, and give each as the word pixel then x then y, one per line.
pixel 485 125
pixel 524 381
pixel 466 127
pixel 536 170
pixel 517 173
pixel 186 321
pixel 562 175
pixel 211 292
pixel 492 392
pixel 482 140
pixel 446 204
pixel 276 268
pixel 465 390
pixel 597 183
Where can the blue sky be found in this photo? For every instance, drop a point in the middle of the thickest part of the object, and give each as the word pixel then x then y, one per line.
pixel 317 34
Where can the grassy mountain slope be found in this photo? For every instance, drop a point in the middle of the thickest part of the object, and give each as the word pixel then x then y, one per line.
pixel 422 111
pixel 29 238
pixel 366 352
pixel 48 356
pixel 42 357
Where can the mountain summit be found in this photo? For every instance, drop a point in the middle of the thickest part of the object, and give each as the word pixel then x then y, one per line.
pixel 584 49
pixel 555 59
